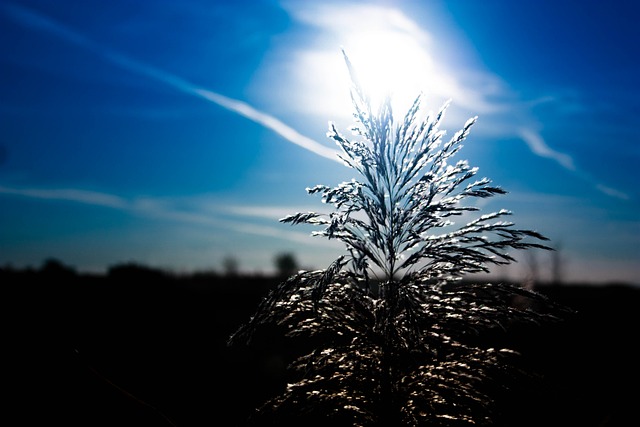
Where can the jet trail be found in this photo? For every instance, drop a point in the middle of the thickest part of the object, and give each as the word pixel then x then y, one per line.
pixel 40 22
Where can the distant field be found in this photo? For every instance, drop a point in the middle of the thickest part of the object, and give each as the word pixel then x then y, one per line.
pixel 140 348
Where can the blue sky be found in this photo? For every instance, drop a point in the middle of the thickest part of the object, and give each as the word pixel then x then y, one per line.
pixel 176 134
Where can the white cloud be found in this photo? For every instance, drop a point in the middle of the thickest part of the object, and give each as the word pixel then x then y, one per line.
pixel 613 192
pixel 269 122
pixel 264 212
pixel 69 194
pixel 42 23
pixel 538 146
pixel 192 212
pixel 317 69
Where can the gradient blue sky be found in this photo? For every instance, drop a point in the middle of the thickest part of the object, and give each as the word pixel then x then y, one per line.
pixel 177 133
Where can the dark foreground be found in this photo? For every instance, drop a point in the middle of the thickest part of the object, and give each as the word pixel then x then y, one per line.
pixel 141 348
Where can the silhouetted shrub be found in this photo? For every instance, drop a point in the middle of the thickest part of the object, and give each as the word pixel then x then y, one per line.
pixel 409 351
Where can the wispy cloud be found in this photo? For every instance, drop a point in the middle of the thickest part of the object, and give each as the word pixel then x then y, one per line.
pixel 538 146
pixel 40 22
pixel 474 89
pixel 613 192
pixel 69 194
pixel 489 97
pixel 197 214
pixel 269 122
pixel 265 212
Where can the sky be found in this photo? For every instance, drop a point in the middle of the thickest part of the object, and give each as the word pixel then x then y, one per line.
pixel 176 134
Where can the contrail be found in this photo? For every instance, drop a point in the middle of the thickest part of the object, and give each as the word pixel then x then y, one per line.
pixel 40 22
pixel 538 146
pixel 153 209
pixel 69 194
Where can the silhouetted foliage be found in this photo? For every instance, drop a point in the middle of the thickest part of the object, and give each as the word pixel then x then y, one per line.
pixel 409 348
pixel 231 266
pixel 63 339
pixel 137 272
pixel 286 264
pixel 54 267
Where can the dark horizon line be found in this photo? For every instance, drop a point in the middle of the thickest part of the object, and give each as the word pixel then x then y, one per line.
pixel 55 265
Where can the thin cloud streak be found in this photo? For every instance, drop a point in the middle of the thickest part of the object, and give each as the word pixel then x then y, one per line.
pixel 40 22
pixel 159 209
pixel 69 194
pixel 613 192
pixel 538 146
pixel 36 21
pixel 270 122
pixel 474 90
pixel 264 212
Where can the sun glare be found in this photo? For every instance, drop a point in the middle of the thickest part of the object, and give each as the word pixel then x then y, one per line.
pixel 389 63
pixel 389 52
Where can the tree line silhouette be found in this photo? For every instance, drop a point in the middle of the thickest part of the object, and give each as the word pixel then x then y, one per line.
pixel 141 346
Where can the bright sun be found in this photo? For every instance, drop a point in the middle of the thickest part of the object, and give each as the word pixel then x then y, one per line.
pixel 390 53
pixel 389 63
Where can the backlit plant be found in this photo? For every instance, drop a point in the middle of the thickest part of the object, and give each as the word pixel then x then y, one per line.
pixel 389 332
